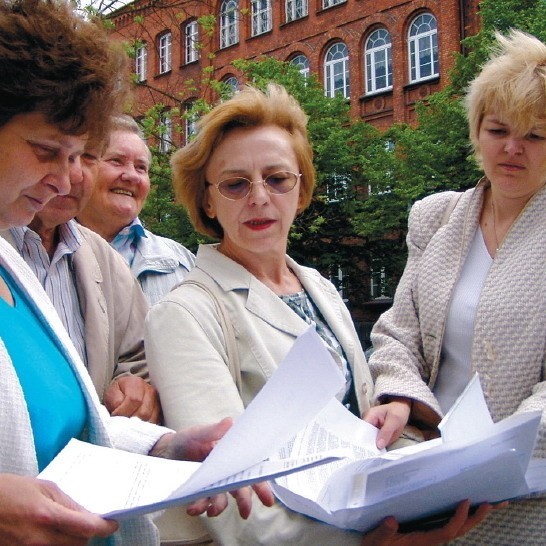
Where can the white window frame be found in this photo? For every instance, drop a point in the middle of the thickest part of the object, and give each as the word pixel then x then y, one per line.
pixel 296 9
pixel 301 62
pixel 165 134
pixel 331 3
pixel 336 68
pixel 423 43
pixel 229 23
pixel 232 82
pixel 378 56
pixel 261 17
pixel 378 283
pixel 141 62
pixel 165 52
pixel 340 280
pixel 337 186
pixel 191 42
pixel 190 122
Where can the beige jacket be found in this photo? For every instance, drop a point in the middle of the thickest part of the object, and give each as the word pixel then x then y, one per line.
pixel 113 308
pixel 187 359
pixel 509 347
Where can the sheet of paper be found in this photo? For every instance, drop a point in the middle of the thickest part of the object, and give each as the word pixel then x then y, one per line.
pixel 137 484
pixel 469 408
pixel 304 383
pixel 361 492
pixel 536 476
pixel 118 484
pixel 334 428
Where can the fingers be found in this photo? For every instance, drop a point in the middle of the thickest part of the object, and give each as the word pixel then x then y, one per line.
pixel 264 493
pixel 112 397
pixel 131 396
pixel 382 535
pixel 213 506
pixel 243 497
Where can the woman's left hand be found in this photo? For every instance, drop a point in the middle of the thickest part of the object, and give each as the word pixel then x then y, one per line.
pixel 390 419
pixel 194 444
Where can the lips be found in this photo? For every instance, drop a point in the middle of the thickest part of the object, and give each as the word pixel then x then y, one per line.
pixel 258 224
pixel 512 166
pixel 121 191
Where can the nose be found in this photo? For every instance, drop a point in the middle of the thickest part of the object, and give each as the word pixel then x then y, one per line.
pixel 514 146
pixel 258 193
pixel 76 172
pixel 130 173
pixel 60 177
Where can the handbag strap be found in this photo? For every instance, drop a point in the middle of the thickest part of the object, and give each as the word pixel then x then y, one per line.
pixel 234 365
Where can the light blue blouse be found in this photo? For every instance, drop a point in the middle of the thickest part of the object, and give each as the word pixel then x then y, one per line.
pixel 55 401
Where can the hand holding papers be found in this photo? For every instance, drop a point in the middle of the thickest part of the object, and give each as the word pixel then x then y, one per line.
pixel 486 465
pixel 118 484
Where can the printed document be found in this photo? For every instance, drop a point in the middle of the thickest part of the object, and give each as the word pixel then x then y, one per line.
pixel 484 462
pixel 118 484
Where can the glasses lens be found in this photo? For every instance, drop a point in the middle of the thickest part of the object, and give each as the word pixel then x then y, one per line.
pixel 234 188
pixel 281 182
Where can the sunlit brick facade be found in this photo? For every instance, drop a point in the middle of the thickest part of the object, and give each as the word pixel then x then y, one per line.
pixel 383 55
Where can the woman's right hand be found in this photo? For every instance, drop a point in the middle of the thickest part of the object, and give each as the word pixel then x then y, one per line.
pixel 462 521
pixel 35 511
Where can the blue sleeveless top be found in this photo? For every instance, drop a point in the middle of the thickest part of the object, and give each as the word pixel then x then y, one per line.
pixel 53 395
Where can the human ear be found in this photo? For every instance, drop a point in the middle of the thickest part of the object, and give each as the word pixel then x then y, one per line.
pixel 208 206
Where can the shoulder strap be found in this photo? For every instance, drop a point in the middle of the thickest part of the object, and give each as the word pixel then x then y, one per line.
pixel 227 327
pixel 452 204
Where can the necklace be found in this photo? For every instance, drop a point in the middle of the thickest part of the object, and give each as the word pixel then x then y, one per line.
pixel 494 226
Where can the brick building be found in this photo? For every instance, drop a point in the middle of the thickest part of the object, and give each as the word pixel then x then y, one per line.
pixel 383 55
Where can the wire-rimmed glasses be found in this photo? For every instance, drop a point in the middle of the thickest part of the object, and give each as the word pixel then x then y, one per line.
pixel 238 187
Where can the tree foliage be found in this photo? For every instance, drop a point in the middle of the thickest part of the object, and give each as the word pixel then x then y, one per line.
pixel 366 180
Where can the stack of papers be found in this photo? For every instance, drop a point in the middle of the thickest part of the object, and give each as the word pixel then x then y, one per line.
pixel 474 459
pixel 117 484
pixel 323 459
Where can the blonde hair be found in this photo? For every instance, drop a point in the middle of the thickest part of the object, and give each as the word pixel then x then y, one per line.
pixel 248 108
pixel 512 84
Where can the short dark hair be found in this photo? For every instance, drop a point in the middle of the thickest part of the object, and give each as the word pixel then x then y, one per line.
pixel 55 61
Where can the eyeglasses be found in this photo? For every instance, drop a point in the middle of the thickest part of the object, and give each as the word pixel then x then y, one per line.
pixel 239 187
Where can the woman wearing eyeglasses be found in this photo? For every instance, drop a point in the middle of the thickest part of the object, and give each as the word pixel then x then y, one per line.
pixel 243 180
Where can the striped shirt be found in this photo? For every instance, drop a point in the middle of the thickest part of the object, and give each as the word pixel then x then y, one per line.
pixel 56 275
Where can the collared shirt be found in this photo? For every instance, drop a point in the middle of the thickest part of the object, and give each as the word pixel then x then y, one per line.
pixel 56 275
pixel 158 263
pixel 126 241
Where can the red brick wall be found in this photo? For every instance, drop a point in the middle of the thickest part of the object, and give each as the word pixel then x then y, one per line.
pixel 351 22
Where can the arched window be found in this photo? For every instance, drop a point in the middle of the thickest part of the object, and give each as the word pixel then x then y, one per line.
pixel 336 71
pixel 229 23
pixel 190 121
pixel 378 61
pixel 423 48
pixel 260 16
pixel 141 62
pixel 165 129
pixel 295 9
pixel 165 52
pixel 301 62
pixel 330 3
pixel 191 42
pixel 232 86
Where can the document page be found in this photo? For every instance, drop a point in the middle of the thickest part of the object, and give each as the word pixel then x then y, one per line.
pixel 114 482
pixel 357 494
pixel 337 430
